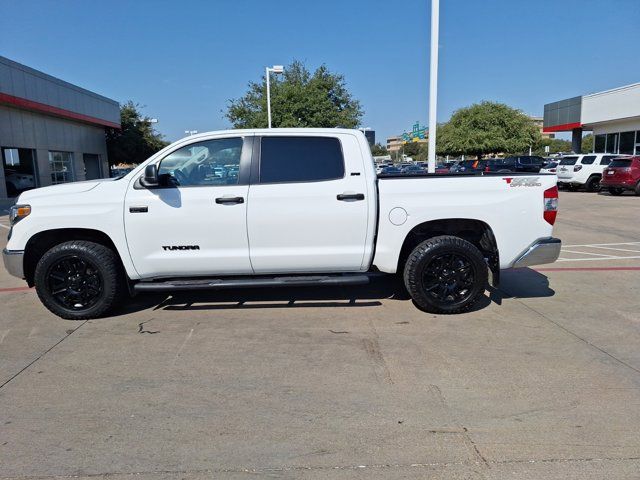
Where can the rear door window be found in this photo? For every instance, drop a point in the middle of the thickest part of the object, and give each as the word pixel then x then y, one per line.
pixel 620 163
pixel 606 159
pixel 300 159
pixel 569 161
pixel 588 159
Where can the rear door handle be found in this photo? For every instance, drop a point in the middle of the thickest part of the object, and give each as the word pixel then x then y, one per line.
pixel 350 196
pixel 229 200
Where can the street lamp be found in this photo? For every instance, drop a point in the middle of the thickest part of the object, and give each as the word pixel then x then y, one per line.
pixel 433 84
pixel 275 69
pixel 191 132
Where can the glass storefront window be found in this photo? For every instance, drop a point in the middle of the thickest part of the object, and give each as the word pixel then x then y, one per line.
pixel 61 165
pixel 600 142
pixel 19 170
pixel 627 142
pixel 612 143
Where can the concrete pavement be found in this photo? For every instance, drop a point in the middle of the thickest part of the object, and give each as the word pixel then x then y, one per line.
pixel 541 381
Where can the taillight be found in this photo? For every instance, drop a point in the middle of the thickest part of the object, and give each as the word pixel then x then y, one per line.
pixel 577 168
pixel 551 205
pixel 486 169
pixel 552 170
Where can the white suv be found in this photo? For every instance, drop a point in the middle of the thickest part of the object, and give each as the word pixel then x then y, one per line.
pixel 585 170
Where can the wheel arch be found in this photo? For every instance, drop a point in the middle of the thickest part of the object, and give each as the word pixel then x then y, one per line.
pixel 476 232
pixel 42 241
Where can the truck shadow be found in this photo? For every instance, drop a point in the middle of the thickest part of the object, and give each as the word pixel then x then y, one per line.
pixel 521 283
pixel 518 283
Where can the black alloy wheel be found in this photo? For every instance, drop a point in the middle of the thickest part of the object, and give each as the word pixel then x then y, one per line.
pixel 446 274
pixel 79 279
pixel 449 278
pixel 74 283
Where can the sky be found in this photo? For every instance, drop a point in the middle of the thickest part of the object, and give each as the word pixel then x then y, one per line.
pixel 183 61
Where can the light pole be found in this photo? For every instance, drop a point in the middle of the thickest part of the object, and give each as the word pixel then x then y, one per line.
pixel 433 84
pixel 191 132
pixel 275 69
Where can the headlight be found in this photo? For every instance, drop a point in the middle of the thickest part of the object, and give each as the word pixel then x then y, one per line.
pixel 18 212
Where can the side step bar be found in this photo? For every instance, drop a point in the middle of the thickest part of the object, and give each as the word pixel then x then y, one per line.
pixel 250 282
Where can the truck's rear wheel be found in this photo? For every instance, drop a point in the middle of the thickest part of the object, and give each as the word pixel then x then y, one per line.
pixel 78 280
pixel 445 275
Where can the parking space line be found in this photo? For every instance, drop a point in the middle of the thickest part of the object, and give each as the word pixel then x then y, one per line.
pixel 586 253
pixel 592 259
pixel 602 244
pixel 5 226
pixel 619 249
pixel 586 269
pixel 15 289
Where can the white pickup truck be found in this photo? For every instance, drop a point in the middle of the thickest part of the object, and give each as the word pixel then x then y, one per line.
pixel 278 207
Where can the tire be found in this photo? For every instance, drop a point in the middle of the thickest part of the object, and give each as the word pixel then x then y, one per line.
pixel 593 184
pixel 461 264
pixel 79 280
pixel 637 189
pixel 616 191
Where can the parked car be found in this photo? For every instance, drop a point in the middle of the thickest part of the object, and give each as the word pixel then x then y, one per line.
pixel 469 166
pixel 306 210
pixel 522 163
pixel 622 174
pixel 391 171
pixel 551 167
pixel 585 170
pixel 414 169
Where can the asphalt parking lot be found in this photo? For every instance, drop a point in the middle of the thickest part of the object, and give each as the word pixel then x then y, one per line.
pixel 541 381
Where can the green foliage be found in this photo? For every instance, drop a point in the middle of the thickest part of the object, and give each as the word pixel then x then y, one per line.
pixel 587 144
pixel 136 141
pixel 487 128
pixel 298 99
pixel 411 149
pixel 379 150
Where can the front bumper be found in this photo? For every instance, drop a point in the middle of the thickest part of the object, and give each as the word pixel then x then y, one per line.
pixel 544 250
pixel 13 262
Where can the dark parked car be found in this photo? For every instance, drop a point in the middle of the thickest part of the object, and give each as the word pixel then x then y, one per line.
pixel 414 169
pixel 524 163
pixel 469 166
pixel 390 171
pixel 622 174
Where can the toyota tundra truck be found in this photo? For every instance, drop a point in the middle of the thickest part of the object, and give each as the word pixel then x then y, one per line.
pixel 276 207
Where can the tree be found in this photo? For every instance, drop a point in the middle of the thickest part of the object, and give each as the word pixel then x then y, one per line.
pixel 135 141
pixel 379 150
pixel 487 128
pixel 298 99
pixel 587 144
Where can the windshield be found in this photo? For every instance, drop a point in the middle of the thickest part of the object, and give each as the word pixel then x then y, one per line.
pixel 620 163
pixel 569 161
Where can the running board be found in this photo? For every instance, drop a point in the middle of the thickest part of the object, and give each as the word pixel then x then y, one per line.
pixel 249 282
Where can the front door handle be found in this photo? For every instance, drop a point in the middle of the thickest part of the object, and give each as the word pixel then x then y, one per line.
pixel 350 196
pixel 229 200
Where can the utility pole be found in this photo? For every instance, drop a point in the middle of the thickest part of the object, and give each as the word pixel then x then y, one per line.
pixel 433 84
pixel 275 69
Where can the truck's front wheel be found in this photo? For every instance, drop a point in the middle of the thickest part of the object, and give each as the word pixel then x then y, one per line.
pixel 445 275
pixel 78 280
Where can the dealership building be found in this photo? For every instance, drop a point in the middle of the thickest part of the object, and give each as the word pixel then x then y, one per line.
pixel 50 131
pixel 613 116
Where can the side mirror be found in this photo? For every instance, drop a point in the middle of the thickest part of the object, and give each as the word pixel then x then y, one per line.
pixel 150 177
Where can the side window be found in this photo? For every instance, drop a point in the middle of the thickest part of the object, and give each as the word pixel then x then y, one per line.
pixel 206 163
pixel 606 160
pixel 525 160
pixel 588 159
pixel 300 159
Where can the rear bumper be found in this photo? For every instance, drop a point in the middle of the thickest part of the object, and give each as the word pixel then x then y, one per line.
pixel 544 250
pixel 13 262
pixel 618 184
